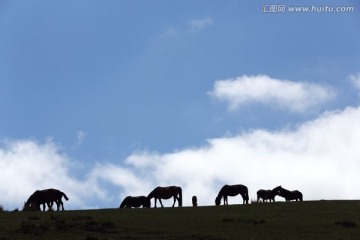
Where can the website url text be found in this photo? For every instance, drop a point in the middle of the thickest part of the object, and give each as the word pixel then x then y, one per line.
pixel 279 8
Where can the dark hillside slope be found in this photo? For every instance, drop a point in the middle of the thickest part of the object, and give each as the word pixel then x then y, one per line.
pixel 295 220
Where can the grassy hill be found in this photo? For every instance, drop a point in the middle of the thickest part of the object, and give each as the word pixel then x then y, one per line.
pixel 295 220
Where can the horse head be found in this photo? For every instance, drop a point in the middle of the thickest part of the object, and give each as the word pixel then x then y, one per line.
pixel 31 206
pixel 26 206
pixel 278 190
pixel 217 201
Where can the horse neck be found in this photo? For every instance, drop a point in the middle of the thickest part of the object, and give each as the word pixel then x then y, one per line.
pixel 123 203
pixel 180 196
pixel 34 197
pixel 221 193
pixel 273 191
pixel 151 195
pixel 30 199
pixel 285 191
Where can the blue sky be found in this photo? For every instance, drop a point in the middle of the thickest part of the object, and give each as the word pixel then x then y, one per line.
pixel 112 93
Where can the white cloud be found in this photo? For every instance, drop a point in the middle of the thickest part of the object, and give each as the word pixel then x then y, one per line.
pixel 28 166
pixel 355 79
pixel 294 96
pixel 201 23
pixel 319 158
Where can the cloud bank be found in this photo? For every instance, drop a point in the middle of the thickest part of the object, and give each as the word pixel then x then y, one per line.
pixel 319 157
pixel 294 96
pixel 28 165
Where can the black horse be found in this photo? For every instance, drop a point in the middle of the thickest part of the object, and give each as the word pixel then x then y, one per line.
pixel 266 195
pixel 232 190
pixel 135 202
pixel 194 201
pixel 48 197
pixel 289 195
pixel 166 193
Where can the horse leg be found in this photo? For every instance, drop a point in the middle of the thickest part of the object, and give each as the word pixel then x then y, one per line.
pixel 49 206
pixel 52 204
pixel 178 199
pixel 161 203
pixel 62 205
pixel 58 202
pixel 155 202
pixel 174 201
pixel 243 197
pixel 226 200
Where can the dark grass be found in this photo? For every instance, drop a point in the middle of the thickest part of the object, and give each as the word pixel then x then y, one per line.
pixel 295 220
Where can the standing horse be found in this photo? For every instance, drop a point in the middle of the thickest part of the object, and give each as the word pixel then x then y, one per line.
pixel 166 193
pixel 136 202
pixel 194 201
pixel 289 195
pixel 266 195
pixel 48 197
pixel 232 190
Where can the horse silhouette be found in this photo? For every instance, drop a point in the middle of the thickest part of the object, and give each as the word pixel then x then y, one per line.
pixel 289 195
pixel 232 190
pixel 194 201
pixel 48 197
pixel 135 202
pixel 266 195
pixel 165 193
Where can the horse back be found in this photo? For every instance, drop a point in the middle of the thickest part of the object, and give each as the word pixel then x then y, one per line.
pixel 165 192
pixel 138 201
pixel 233 190
pixel 262 193
pixel 265 194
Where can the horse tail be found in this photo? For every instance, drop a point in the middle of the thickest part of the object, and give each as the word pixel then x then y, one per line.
pixel 300 196
pixel 63 194
pixel 258 195
pixel 246 194
pixel 180 197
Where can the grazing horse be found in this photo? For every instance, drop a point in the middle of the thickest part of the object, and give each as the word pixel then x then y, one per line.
pixel 289 195
pixel 166 193
pixel 232 190
pixel 266 195
pixel 136 202
pixel 194 201
pixel 48 197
